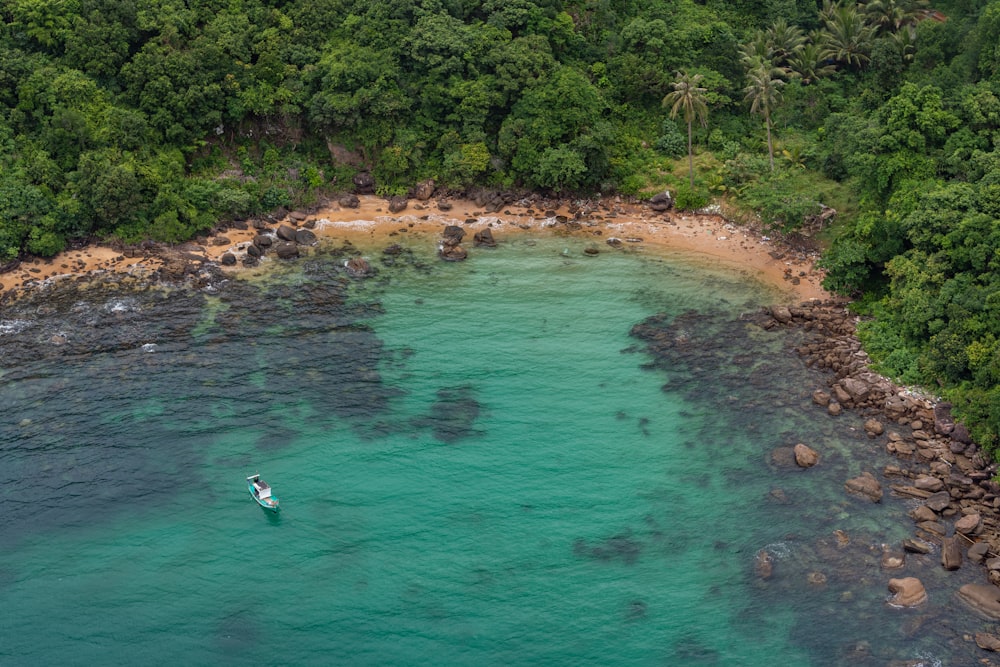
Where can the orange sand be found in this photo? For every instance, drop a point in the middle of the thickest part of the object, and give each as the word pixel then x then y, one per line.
pixel 370 227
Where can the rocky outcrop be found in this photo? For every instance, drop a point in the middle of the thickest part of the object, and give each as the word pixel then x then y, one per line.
pixel 983 598
pixel 449 248
pixel 358 267
pixel 805 456
pixel 424 190
pixel 907 592
pixel 661 202
pixel 484 238
pixel 364 183
pixel 866 486
pixel 397 204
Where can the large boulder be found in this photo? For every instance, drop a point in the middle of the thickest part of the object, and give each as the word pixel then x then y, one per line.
pixel 928 483
pixel 782 314
pixel 305 237
pixel 865 485
pixel 857 389
pixel 874 428
pixel 364 183
pixel 349 201
pixel 452 252
pixel 454 233
pixel 424 190
pixel 661 202
pixel 907 592
pixel 938 501
pixel 805 456
pixel 969 524
pixel 987 642
pixel 286 233
pixel 951 553
pixel 286 250
pixel 984 598
pixel 397 204
pixel 484 237
pixel 358 267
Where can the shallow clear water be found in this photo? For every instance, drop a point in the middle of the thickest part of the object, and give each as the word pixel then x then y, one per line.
pixel 477 464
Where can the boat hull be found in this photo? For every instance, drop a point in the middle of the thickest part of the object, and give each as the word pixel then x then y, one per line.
pixel 270 503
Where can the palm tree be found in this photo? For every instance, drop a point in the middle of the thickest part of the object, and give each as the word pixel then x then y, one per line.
pixel 848 36
pixel 889 16
pixel 689 98
pixel 758 47
pixel 785 41
pixel 763 91
pixel 810 63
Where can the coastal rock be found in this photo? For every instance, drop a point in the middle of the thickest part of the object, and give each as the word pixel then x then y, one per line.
pixel 661 202
pixel 939 501
pixel 263 241
pixel 987 642
pixel 915 546
pixel 856 388
pixel 781 314
pixel 228 259
pixel 983 598
pixel 349 201
pixel 452 253
pixel 805 456
pixel 892 559
pixel 424 190
pixel 253 250
pixel 951 554
pixel 364 183
pixel 961 434
pixel 821 398
pixel 977 552
pixel 873 428
pixel 865 485
pixel 286 250
pixel 484 238
pixel 305 237
pixel 358 267
pixel 397 204
pixel 928 483
pixel 763 564
pixel 907 592
pixel 834 409
pixel 286 233
pixel 453 233
pixel 923 513
pixel 969 524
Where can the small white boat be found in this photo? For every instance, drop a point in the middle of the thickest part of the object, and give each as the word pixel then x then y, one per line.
pixel 261 492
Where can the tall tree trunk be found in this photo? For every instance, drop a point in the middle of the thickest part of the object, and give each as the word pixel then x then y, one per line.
pixel 690 160
pixel 770 147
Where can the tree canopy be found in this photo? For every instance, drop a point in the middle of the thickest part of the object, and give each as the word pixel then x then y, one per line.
pixel 136 119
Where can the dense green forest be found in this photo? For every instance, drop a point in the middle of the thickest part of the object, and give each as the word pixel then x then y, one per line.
pixel 136 119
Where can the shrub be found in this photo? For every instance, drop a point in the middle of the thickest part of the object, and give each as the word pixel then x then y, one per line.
pixel 686 199
pixel 672 142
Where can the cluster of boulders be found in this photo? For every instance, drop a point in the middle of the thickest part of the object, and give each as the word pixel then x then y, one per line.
pixel 939 465
pixel 284 241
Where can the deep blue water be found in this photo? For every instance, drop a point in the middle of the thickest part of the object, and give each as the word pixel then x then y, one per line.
pixel 477 465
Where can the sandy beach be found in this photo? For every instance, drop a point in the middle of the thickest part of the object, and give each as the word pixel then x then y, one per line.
pixel 370 227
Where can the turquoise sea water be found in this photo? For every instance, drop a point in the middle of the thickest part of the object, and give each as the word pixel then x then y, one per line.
pixel 477 465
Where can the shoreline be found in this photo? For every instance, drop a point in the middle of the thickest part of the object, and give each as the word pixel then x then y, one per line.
pixel 370 226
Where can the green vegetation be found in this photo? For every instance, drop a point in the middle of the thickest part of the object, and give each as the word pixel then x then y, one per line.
pixel 143 119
